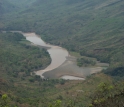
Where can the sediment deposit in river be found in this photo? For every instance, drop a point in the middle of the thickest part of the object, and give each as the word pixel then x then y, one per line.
pixel 62 64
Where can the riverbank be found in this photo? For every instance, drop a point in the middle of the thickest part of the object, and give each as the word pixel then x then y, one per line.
pixel 62 64
pixel 70 68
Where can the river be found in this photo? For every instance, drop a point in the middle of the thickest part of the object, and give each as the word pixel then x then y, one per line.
pixel 62 64
pixel 57 54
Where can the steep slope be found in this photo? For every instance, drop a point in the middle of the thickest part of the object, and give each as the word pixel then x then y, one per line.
pixel 6 7
pixel 16 57
pixel 22 3
pixel 90 27
pixel 93 28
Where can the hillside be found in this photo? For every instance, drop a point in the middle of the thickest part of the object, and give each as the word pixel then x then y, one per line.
pixel 18 58
pixel 22 3
pixel 91 28
pixel 6 6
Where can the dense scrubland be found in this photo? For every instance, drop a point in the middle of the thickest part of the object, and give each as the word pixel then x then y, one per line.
pixel 90 28
pixel 16 57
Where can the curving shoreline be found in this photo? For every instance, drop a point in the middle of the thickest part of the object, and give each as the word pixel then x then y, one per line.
pixel 62 64
pixel 57 54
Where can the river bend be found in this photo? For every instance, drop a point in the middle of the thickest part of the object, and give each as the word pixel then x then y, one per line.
pixel 58 55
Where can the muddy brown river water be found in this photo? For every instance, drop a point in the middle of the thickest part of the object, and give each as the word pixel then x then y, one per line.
pixel 62 64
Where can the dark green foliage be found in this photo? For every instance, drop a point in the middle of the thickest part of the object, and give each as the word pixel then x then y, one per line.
pixel 62 81
pixel 12 37
pixel 85 62
pixel 119 71
pixel 37 77
pixel 16 57
pixel 6 6
pixel 31 80
pixel 92 28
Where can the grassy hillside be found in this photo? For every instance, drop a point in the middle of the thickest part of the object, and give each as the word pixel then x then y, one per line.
pixel 92 28
pixel 41 93
pixel 22 3
pixel 6 6
pixel 25 90
pixel 17 59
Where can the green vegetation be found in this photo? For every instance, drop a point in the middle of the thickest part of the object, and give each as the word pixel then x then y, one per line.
pixel 16 57
pixel 92 28
pixel 4 101
pixel 48 93
pixel 41 93
pixel 108 96
pixel 22 3
pixel 85 62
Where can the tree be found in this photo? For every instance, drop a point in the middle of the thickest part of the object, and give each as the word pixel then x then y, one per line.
pixel 108 95
pixel 4 101
pixel 57 103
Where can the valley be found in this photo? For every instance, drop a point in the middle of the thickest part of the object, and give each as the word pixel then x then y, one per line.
pixel 85 41
pixel 61 62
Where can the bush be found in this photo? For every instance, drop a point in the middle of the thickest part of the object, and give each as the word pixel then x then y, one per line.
pixel 31 80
